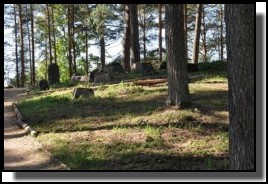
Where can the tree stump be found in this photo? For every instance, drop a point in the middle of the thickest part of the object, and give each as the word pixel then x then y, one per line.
pixel 82 92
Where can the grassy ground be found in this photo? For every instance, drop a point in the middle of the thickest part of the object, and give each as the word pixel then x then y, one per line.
pixel 127 127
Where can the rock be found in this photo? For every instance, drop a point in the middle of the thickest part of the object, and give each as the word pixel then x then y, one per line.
pixel 144 68
pixel 102 77
pixel 190 67
pixel 53 74
pixel 92 75
pixel 163 66
pixel 82 78
pixel 84 92
pixel 114 68
pixel 43 85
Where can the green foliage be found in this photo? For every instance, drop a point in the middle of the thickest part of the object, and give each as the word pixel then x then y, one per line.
pixel 215 66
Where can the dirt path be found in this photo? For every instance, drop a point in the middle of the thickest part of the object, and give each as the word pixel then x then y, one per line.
pixel 21 151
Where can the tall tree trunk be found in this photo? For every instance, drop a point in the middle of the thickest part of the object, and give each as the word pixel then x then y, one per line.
pixel 70 42
pixel 197 33
pixel 53 26
pixel 144 34
pixel 240 36
pixel 22 49
pixel 160 30
pixel 86 64
pixel 29 44
pixel 102 48
pixel 221 30
pixel 73 41
pixel 185 29
pixel 178 91
pixel 49 35
pixel 204 37
pixel 134 31
pixel 33 59
pixel 16 48
pixel 126 41
pixel 46 74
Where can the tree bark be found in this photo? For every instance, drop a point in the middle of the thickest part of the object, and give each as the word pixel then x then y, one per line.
pixel 49 36
pixel 185 29
pixel 197 33
pixel 144 35
pixel 22 49
pixel 240 49
pixel 160 31
pixel 46 60
pixel 134 31
pixel 16 48
pixel 73 41
pixel 33 59
pixel 86 64
pixel 178 91
pixel 102 48
pixel 126 41
pixel 29 44
pixel 204 36
pixel 70 42
pixel 221 32
pixel 54 37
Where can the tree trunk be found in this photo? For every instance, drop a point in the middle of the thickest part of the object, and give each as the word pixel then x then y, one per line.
pixel 160 31
pixel 49 36
pixel 240 36
pixel 22 49
pixel 86 64
pixel 46 59
pixel 73 41
pixel 16 48
pixel 178 91
pixel 144 35
pixel 204 36
pixel 197 33
pixel 54 37
pixel 102 48
pixel 221 30
pixel 134 31
pixel 29 44
pixel 70 42
pixel 185 29
pixel 126 41
pixel 32 28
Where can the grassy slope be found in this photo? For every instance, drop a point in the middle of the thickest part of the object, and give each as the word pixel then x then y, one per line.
pixel 128 127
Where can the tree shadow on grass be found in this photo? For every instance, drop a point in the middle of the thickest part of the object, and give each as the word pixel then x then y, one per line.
pixel 137 160
pixel 49 109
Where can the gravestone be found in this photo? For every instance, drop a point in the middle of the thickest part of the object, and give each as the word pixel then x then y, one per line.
pixel 82 92
pixel 43 85
pixel 113 68
pixel 143 68
pixel 82 78
pixel 53 74
pixel 102 77
pixel 92 75
pixel 191 67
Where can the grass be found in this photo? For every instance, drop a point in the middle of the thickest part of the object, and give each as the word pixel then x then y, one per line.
pixel 127 127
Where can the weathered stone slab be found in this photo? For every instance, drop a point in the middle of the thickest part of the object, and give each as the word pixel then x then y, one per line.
pixel 102 77
pixel 84 92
